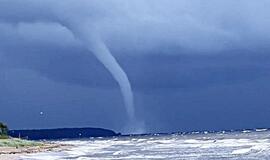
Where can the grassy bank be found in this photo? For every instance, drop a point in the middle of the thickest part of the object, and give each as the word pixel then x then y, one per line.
pixel 3 137
pixel 15 142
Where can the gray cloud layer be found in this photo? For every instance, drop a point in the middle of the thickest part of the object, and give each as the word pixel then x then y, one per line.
pixel 174 52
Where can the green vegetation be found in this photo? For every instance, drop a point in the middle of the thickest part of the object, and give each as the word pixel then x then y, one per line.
pixel 15 142
pixel 3 131
pixel 6 141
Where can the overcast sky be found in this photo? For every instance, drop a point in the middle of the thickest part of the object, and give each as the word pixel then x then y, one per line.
pixel 192 64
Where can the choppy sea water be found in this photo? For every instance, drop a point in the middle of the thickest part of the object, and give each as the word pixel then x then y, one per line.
pixel 246 145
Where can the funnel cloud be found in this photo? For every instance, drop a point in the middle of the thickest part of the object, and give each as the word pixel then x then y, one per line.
pixel 95 45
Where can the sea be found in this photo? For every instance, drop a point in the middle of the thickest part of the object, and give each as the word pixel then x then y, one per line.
pixel 234 145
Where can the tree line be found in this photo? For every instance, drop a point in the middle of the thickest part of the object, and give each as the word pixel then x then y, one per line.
pixel 3 130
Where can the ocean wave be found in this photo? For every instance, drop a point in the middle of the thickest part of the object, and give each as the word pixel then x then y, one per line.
pixel 226 145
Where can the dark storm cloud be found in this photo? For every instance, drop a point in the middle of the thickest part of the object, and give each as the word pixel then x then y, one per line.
pixel 145 25
pixel 174 52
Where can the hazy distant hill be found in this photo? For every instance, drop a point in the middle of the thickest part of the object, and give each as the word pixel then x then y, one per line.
pixel 62 133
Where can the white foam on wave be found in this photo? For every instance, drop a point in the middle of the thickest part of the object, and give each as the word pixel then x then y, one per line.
pixel 241 151
pixel 43 156
pixel 261 129
pixel 119 153
pixel 194 141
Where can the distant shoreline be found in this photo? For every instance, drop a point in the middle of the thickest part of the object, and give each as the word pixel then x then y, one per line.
pixel 13 152
pixel 61 133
